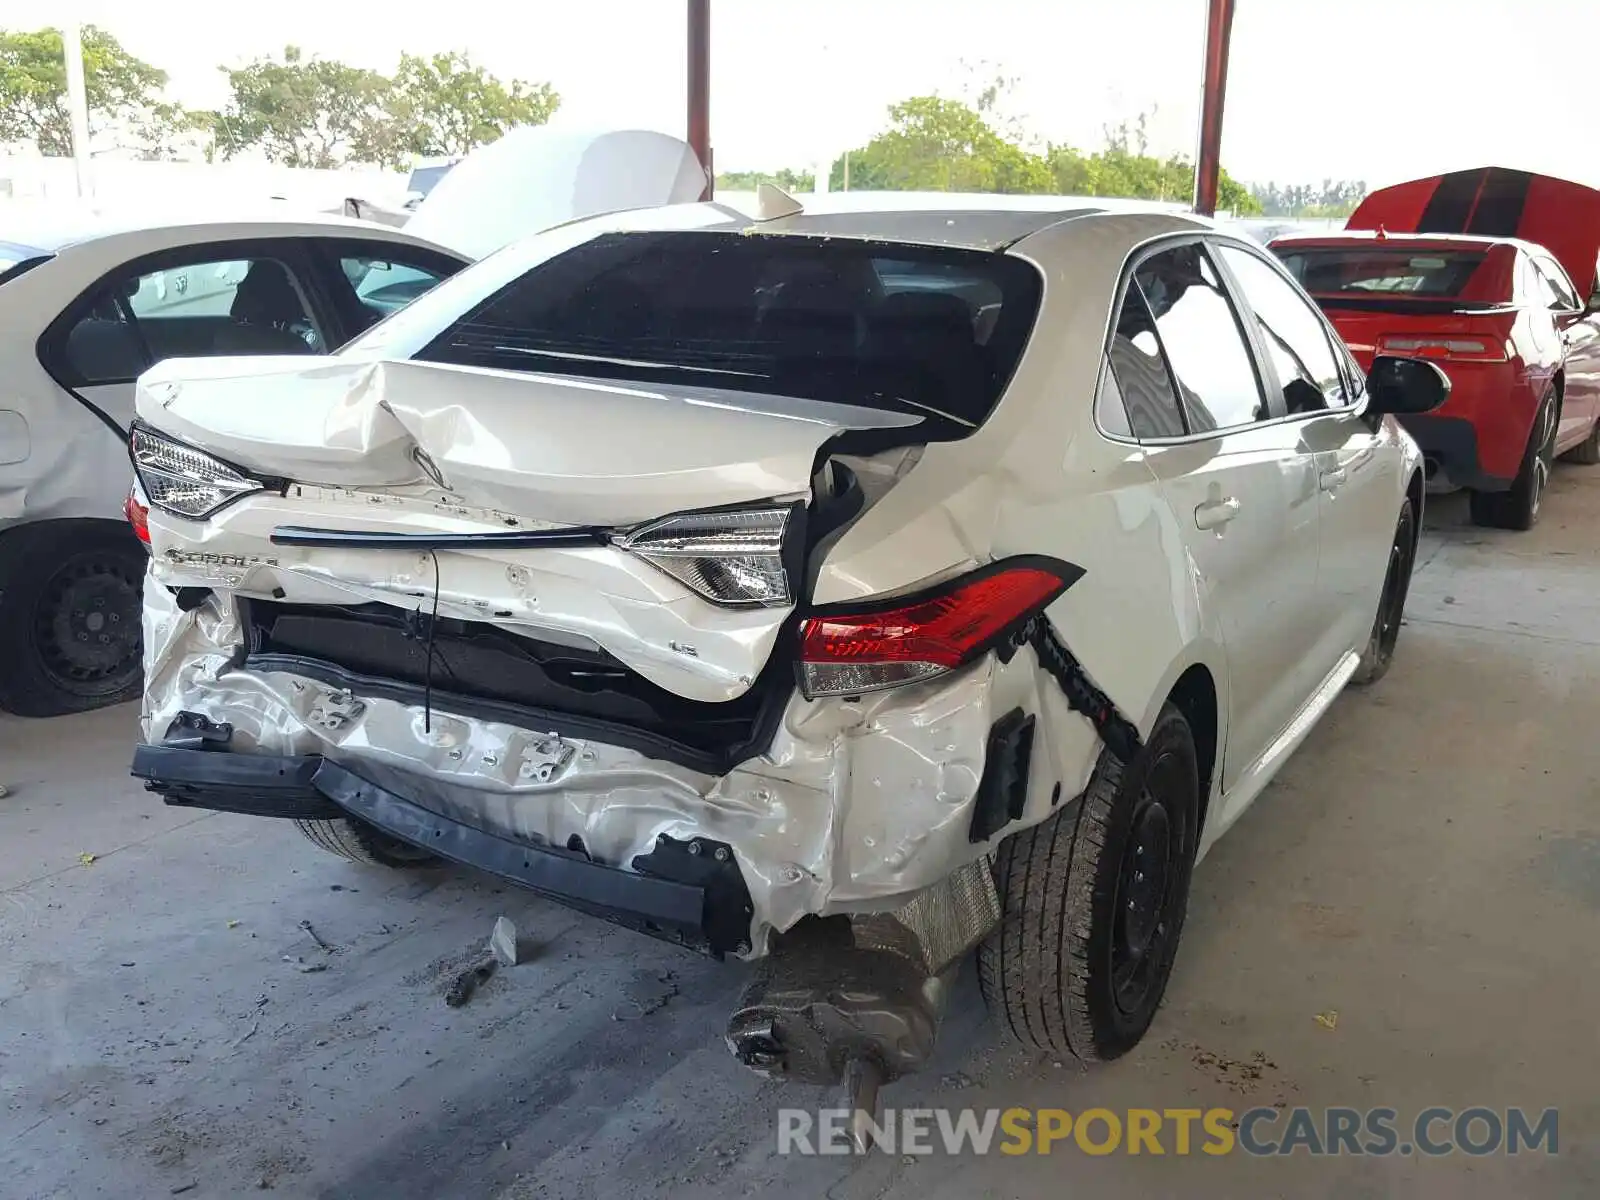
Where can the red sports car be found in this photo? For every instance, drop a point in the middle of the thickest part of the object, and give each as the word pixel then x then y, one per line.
pixel 1492 274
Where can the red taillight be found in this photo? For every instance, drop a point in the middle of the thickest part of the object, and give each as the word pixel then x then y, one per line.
pixel 138 514
pixel 884 645
pixel 1453 347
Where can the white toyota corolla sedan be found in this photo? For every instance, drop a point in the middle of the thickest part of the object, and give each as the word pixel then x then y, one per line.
pixel 844 592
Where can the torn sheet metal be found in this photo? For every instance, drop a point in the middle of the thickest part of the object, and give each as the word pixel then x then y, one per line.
pixel 856 807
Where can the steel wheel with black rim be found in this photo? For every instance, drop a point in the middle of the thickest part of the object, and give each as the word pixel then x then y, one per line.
pixel 1518 507
pixel 1093 902
pixel 70 599
pixel 1375 659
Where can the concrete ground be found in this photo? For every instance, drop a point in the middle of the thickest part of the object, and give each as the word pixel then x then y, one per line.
pixel 1427 868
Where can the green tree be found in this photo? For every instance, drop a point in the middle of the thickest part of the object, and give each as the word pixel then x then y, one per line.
pixel 1124 167
pixel 939 145
pixel 446 105
pixel 791 181
pixel 1332 198
pixel 123 92
pixel 310 112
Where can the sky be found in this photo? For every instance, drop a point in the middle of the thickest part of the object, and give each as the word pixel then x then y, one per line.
pixel 1380 90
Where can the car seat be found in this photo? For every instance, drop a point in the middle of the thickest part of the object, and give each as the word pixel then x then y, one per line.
pixel 265 308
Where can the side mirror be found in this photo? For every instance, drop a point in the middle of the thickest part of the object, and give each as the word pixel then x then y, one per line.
pixel 1405 386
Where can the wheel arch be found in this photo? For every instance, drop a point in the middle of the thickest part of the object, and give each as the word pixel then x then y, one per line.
pixel 1195 696
pixel 17 539
pixel 1416 492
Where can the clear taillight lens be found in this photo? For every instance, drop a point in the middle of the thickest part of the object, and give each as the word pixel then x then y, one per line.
pixel 733 558
pixel 181 479
pixel 891 643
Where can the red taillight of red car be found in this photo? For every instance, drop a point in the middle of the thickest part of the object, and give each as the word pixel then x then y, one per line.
pixel 882 645
pixel 138 514
pixel 1451 347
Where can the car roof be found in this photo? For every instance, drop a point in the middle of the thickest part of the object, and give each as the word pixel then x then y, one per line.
pixel 51 229
pixel 974 222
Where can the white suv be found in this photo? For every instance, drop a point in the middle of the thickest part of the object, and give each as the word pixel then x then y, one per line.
pixel 841 591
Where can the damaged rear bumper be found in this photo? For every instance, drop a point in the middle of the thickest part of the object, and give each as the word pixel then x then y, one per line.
pixel 690 892
pixel 848 807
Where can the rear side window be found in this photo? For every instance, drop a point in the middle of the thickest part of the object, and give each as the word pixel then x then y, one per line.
pixel 1202 338
pixel 1364 270
pixel 1140 371
pixel 1294 336
pixel 923 330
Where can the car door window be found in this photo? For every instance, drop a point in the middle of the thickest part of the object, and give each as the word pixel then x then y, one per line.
pixel 1202 338
pixel 228 306
pixel 1293 333
pixel 1140 383
pixel 192 310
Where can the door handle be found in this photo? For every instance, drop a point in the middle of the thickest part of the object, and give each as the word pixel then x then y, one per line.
pixel 1214 514
pixel 1331 480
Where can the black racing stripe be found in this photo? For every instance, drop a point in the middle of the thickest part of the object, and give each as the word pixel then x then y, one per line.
pixel 1500 203
pixel 1450 206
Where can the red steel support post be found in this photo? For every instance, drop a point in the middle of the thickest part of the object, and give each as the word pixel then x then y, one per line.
pixel 700 87
pixel 1208 162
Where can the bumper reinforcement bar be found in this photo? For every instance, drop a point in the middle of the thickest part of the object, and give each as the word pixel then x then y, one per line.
pixel 691 893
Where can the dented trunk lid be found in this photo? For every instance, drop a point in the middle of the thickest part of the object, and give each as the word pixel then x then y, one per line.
pixel 554 450
pixel 421 449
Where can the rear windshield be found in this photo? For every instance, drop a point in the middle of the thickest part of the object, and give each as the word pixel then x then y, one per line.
pixel 1365 271
pixel 933 331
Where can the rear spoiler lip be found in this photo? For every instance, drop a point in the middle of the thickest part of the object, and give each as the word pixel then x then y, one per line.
pixel 1442 306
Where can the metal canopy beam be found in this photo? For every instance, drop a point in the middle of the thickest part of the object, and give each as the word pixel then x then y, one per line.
pixel 1208 161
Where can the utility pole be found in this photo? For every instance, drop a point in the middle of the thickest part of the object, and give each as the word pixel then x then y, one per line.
pixel 77 103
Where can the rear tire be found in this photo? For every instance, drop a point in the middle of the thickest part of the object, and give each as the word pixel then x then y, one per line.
pixel 1586 452
pixel 1375 659
pixel 1518 507
pixel 1093 901
pixel 361 843
pixel 71 595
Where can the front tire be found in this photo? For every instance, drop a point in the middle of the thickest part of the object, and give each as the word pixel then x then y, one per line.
pixel 1375 659
pixel 70 601
pixel 1517 508
pixel 1093 901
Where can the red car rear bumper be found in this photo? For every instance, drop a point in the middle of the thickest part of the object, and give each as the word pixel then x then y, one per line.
pixel 1477 438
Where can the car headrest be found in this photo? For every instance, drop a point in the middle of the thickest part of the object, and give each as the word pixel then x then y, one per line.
pixel 266 297
pixel 931 315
